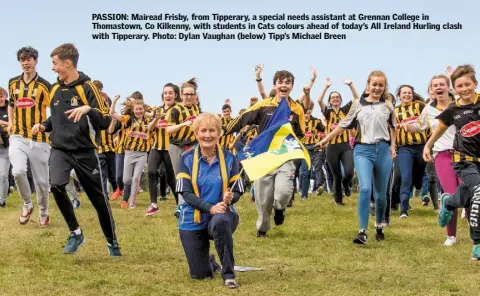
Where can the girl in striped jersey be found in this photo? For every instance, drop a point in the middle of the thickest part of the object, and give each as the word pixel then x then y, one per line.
pixel 338 151
pixel 137 146
pixel 161 142
pixel 180 117
pixel 410 145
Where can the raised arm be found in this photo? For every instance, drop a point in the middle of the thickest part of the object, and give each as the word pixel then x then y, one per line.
pixel 322 94
pixel 304 99
pixel 352 88
pixel 114 114
pixel 258 78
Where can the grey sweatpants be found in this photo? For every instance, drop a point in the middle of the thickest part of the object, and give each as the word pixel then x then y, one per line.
pixel 4 169
pixel 132 171
pixel 175 153
pixel 22 150
pixel 273 190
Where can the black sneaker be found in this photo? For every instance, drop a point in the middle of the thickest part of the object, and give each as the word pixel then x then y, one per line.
pixel 2 204
pixel 279 217
pixel 361 238
pixel 261 233
pixel 379 234
pixel 348 191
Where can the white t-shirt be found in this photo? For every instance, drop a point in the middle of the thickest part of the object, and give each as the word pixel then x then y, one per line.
pixel 427 120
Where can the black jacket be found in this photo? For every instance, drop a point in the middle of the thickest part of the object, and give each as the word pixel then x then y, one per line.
pixel 66 134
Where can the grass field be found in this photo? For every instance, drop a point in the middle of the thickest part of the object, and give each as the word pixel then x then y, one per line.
pixel 311 254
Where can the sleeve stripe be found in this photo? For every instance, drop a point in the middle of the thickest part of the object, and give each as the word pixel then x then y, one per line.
pixel 183 176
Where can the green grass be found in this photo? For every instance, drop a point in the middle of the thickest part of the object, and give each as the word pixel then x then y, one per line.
pixel 311 254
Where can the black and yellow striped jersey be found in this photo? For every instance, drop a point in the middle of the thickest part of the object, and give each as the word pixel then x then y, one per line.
pixel 30 102
pixel 177 114
pixel 260 113
pixel 226 140
pixel 120 131
pixel 105 143
pixel 161 139
pixel 333 119
pixel 405 114
pixel 249 133
pixel 312 128
pixel 137 137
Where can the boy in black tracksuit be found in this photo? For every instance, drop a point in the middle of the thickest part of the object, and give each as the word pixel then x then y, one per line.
pixel 78 113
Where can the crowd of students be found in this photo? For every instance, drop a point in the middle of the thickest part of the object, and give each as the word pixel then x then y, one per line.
pixel 392 147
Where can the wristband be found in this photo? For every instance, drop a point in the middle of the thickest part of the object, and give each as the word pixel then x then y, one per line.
pixel 258 80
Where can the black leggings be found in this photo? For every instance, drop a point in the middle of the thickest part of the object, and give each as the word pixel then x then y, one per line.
pixel 336 154
pixel 155 158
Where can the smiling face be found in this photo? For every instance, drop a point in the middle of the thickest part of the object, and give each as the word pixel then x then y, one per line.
pixel 207 128
pixel 60 67
pixel 406 95
pixel 188 96
pixel 376 86
pixel 439 88
pixel 3 97
pixel 465 87
pixel 28 65
pixel 138 109
pixel 168 96
pixel 335 99
pixel 283 87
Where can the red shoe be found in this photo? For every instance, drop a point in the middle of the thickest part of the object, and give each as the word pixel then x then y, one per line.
pixel 124 204
pixel 117 194
pixel 151 210
pixel 44 221
pixel 25 215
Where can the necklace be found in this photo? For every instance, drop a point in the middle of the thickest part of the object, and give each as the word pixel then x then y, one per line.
pixel 214 152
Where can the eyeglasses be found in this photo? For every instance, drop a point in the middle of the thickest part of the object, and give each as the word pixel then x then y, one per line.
pixel 189 95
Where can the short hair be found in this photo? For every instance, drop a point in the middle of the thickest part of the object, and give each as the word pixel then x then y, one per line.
pixel 98 84
pixel 27 52
pixel 211 119
pixel 465 70
pixel 66 51
pixel 280 75
pixel 226 106
pixel 137 95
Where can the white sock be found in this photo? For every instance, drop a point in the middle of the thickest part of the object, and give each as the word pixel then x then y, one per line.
pixel 28 205
pixel 154 205
pixel 77 231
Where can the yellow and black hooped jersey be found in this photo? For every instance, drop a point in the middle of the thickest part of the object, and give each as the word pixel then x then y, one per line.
pixel 406 114
pixel 177 114
pixel 137 137
pixel 161 139
pixel 333 119
pixel 226 140
pixel 30 102
pixel 312 128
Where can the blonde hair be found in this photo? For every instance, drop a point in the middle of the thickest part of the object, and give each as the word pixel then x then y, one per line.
pixel 378 73
pixel 210 119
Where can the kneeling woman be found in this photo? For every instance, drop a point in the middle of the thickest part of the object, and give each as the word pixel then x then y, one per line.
pixel 209 181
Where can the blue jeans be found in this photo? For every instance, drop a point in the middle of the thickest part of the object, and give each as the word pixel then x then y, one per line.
pixel 424 185
pixel 373 163
pixel 305 175
pixel 412 168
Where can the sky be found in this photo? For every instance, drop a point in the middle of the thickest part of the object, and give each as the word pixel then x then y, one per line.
pixel 225 69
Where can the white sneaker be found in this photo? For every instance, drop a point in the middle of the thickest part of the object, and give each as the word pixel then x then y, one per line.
pixel 450 241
